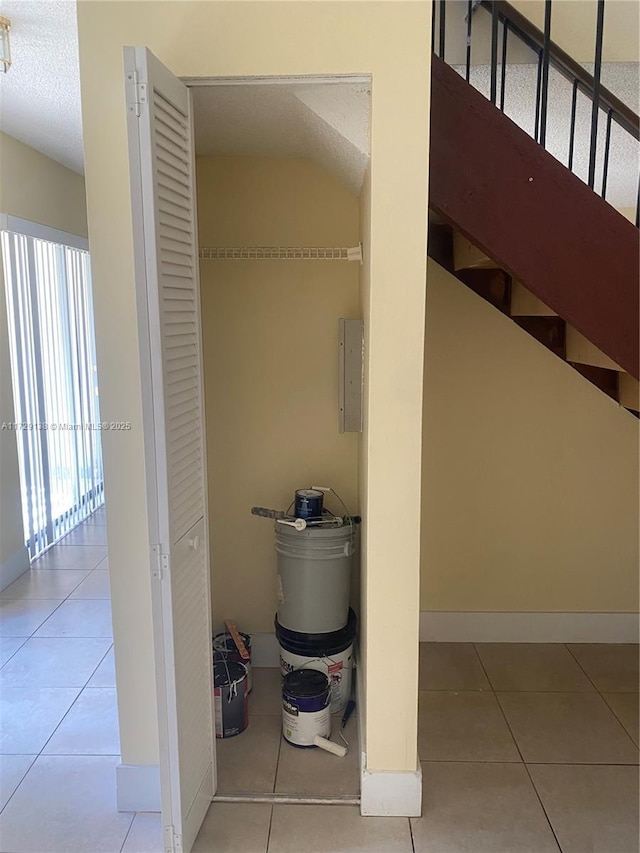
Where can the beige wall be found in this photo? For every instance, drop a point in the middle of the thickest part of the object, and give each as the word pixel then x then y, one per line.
pixel 573 28
pixel 270 332
pixel 36 188
pixel 386 40
pixel 530 473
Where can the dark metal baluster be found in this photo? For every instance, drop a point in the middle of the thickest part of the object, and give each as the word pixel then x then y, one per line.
pixel 505 30
pixel 443 6
pixel 433 27
pixel 596 94
pixel 538 87
pixel 494 52
pixel 545 72
pixel 605 165
pixel 638 207
pixel 572 132
pixel 469 15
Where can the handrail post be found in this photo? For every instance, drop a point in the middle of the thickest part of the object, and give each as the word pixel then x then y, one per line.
pixel 468 57
pixel 596 94
pixel 494 52
pixel 545 72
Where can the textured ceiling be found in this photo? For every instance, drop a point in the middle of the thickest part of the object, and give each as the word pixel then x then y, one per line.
pixel 40 94
pixel 327 123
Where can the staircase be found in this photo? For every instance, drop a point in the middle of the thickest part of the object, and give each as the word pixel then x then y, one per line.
pixel 527 235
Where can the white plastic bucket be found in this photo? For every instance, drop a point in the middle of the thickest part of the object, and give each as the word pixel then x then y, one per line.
pixel 330 653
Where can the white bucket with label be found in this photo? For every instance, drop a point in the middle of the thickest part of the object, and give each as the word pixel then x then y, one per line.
pixel 330 653
pixel 306 709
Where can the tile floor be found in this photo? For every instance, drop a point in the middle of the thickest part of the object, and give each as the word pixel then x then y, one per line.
pixel 524 748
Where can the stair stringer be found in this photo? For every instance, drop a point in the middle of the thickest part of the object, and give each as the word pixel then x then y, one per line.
pixel 537 220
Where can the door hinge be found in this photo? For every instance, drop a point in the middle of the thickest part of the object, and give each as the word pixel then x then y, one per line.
pixel 160 564
pixel 172 840
pixel 137 93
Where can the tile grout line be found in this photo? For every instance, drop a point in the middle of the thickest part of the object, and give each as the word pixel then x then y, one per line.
pixel 413 842
pixel 601 695
pixel 524 763
pixel 266 849
pixel 31 636
pixel 133 817
pixel 24 640
pixel 613 711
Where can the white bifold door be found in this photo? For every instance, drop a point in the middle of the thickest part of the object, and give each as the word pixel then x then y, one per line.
pixel 168 304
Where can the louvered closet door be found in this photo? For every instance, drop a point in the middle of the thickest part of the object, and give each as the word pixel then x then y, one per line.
pixel 163 204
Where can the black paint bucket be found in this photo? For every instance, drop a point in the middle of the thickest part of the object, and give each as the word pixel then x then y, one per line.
pixel 230 698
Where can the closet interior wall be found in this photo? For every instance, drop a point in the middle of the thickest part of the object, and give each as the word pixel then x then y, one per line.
pixel 270 348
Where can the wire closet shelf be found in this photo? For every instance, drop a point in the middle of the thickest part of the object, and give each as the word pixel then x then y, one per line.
pixel 282 253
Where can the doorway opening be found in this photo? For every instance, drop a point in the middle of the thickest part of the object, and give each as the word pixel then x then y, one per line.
pixel 280 166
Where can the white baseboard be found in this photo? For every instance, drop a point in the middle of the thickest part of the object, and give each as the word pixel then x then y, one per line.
pixel 11 569
pixel 388 794
pixel 138 788
pixel 442 627
pixel 265 650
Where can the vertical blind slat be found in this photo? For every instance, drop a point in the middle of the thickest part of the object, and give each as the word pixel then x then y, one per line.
pixel 53 365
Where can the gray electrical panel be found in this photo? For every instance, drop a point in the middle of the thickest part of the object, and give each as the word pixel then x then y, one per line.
pixel 351 381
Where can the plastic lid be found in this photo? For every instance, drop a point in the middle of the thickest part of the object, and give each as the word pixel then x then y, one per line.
pixel 305 683
pixel 226 672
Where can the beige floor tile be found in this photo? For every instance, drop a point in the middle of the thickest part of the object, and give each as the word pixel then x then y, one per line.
pixel 9 646
pixel 88 618
pixel 247 762
pixel 105 674
pixel 96 585
pixel 317 773
pixel 90 727
pixel 30 715
pixel 145 835
pixel 336 829
pixel 567 728
pixel 234 828
pixel 480 808
pixel 86 534
pixel 451 666
pixel 12 771
pixel 612 667
pixel 54 662
pixel 22 617
pixel 591 808
pixel 42 584
pixel 532 666
pixel 625 707
pixel 266 696
pixel 71 557
pixel 66 804
pixel 465 726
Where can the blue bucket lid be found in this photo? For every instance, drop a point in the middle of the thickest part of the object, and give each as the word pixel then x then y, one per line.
pixel 305 683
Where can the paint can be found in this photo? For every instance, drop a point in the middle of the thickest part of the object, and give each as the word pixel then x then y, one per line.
pixel 225 649
pixel 306 709
pixel 308 503
pixel 330 653
pixel 314 577
pixel 230 698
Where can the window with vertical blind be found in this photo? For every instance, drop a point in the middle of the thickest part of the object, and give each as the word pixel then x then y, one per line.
pixel 55 387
